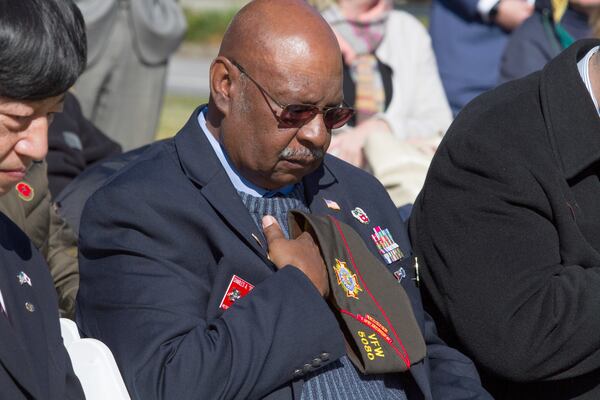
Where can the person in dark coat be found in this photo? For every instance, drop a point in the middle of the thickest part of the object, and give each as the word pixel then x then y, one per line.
pixel 507 232
pixel 74 144
pixel 187 272
pixel 552 28
pixel 72 198
pixel 468 38
pixel 130 43
pixel 42 52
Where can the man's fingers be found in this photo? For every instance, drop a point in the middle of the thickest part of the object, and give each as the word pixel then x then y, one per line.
pixel 271 229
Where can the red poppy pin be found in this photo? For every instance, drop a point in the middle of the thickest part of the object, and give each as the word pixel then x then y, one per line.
pixel 25 191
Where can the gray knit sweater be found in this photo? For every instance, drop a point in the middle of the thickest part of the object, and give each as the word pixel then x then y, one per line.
pixel 339 380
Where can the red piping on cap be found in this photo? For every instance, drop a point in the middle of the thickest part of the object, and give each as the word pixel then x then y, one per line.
pixel 406 358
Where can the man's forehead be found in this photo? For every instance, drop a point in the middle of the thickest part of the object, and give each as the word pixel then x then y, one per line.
pixel 294 43
pixel 312 89
pixel 279 30
pixel 294 46
pixel 296 75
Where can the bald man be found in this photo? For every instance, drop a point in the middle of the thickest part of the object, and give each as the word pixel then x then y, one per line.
pixel 187 272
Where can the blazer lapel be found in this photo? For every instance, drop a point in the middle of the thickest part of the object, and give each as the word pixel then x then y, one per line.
pixel 319 188
pixel 22 334
pixel 223 197
pixel 202 166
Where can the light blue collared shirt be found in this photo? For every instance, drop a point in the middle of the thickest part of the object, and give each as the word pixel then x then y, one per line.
pixel 240 183
pixel 584 71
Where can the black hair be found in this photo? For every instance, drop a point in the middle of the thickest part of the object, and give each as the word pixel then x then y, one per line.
pixel 42 48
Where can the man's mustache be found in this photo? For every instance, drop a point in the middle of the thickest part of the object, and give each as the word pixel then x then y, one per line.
pixel 303 153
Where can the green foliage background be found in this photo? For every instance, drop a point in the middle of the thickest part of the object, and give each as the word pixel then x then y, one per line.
pixel 207 26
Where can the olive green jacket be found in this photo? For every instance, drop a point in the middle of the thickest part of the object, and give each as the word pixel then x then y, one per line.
pixel 29 206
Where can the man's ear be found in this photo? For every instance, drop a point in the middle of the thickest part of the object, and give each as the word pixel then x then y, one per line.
pixel 220 84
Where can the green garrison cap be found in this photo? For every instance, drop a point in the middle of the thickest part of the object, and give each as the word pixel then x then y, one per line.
pixel 374 312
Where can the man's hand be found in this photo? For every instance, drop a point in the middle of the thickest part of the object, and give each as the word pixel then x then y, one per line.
pixel 302 253
pixel 512 13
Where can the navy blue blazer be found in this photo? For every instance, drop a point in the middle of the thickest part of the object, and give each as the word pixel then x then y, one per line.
pixel 468 50
pixel 159 245
pixel 34 364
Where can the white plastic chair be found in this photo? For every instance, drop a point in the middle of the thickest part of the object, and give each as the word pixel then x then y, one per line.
pixel 69 331
pixel 94 365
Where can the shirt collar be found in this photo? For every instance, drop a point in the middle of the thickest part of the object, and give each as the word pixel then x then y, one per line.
pixel 584 71
pixel 564 98
pixel 240 183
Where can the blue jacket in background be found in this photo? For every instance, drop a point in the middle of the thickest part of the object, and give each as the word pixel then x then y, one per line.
pixel 468 50
pixel 536 42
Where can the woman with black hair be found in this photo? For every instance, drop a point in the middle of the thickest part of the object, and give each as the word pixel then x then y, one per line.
pixel 42 52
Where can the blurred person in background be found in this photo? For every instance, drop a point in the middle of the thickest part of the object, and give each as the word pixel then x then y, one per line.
pixel 391 79
pixel 74 144
pixel 554 26
pixel 469 37
pixel 129 43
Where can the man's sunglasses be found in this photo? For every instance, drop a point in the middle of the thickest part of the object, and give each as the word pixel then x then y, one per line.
pixel 296 115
